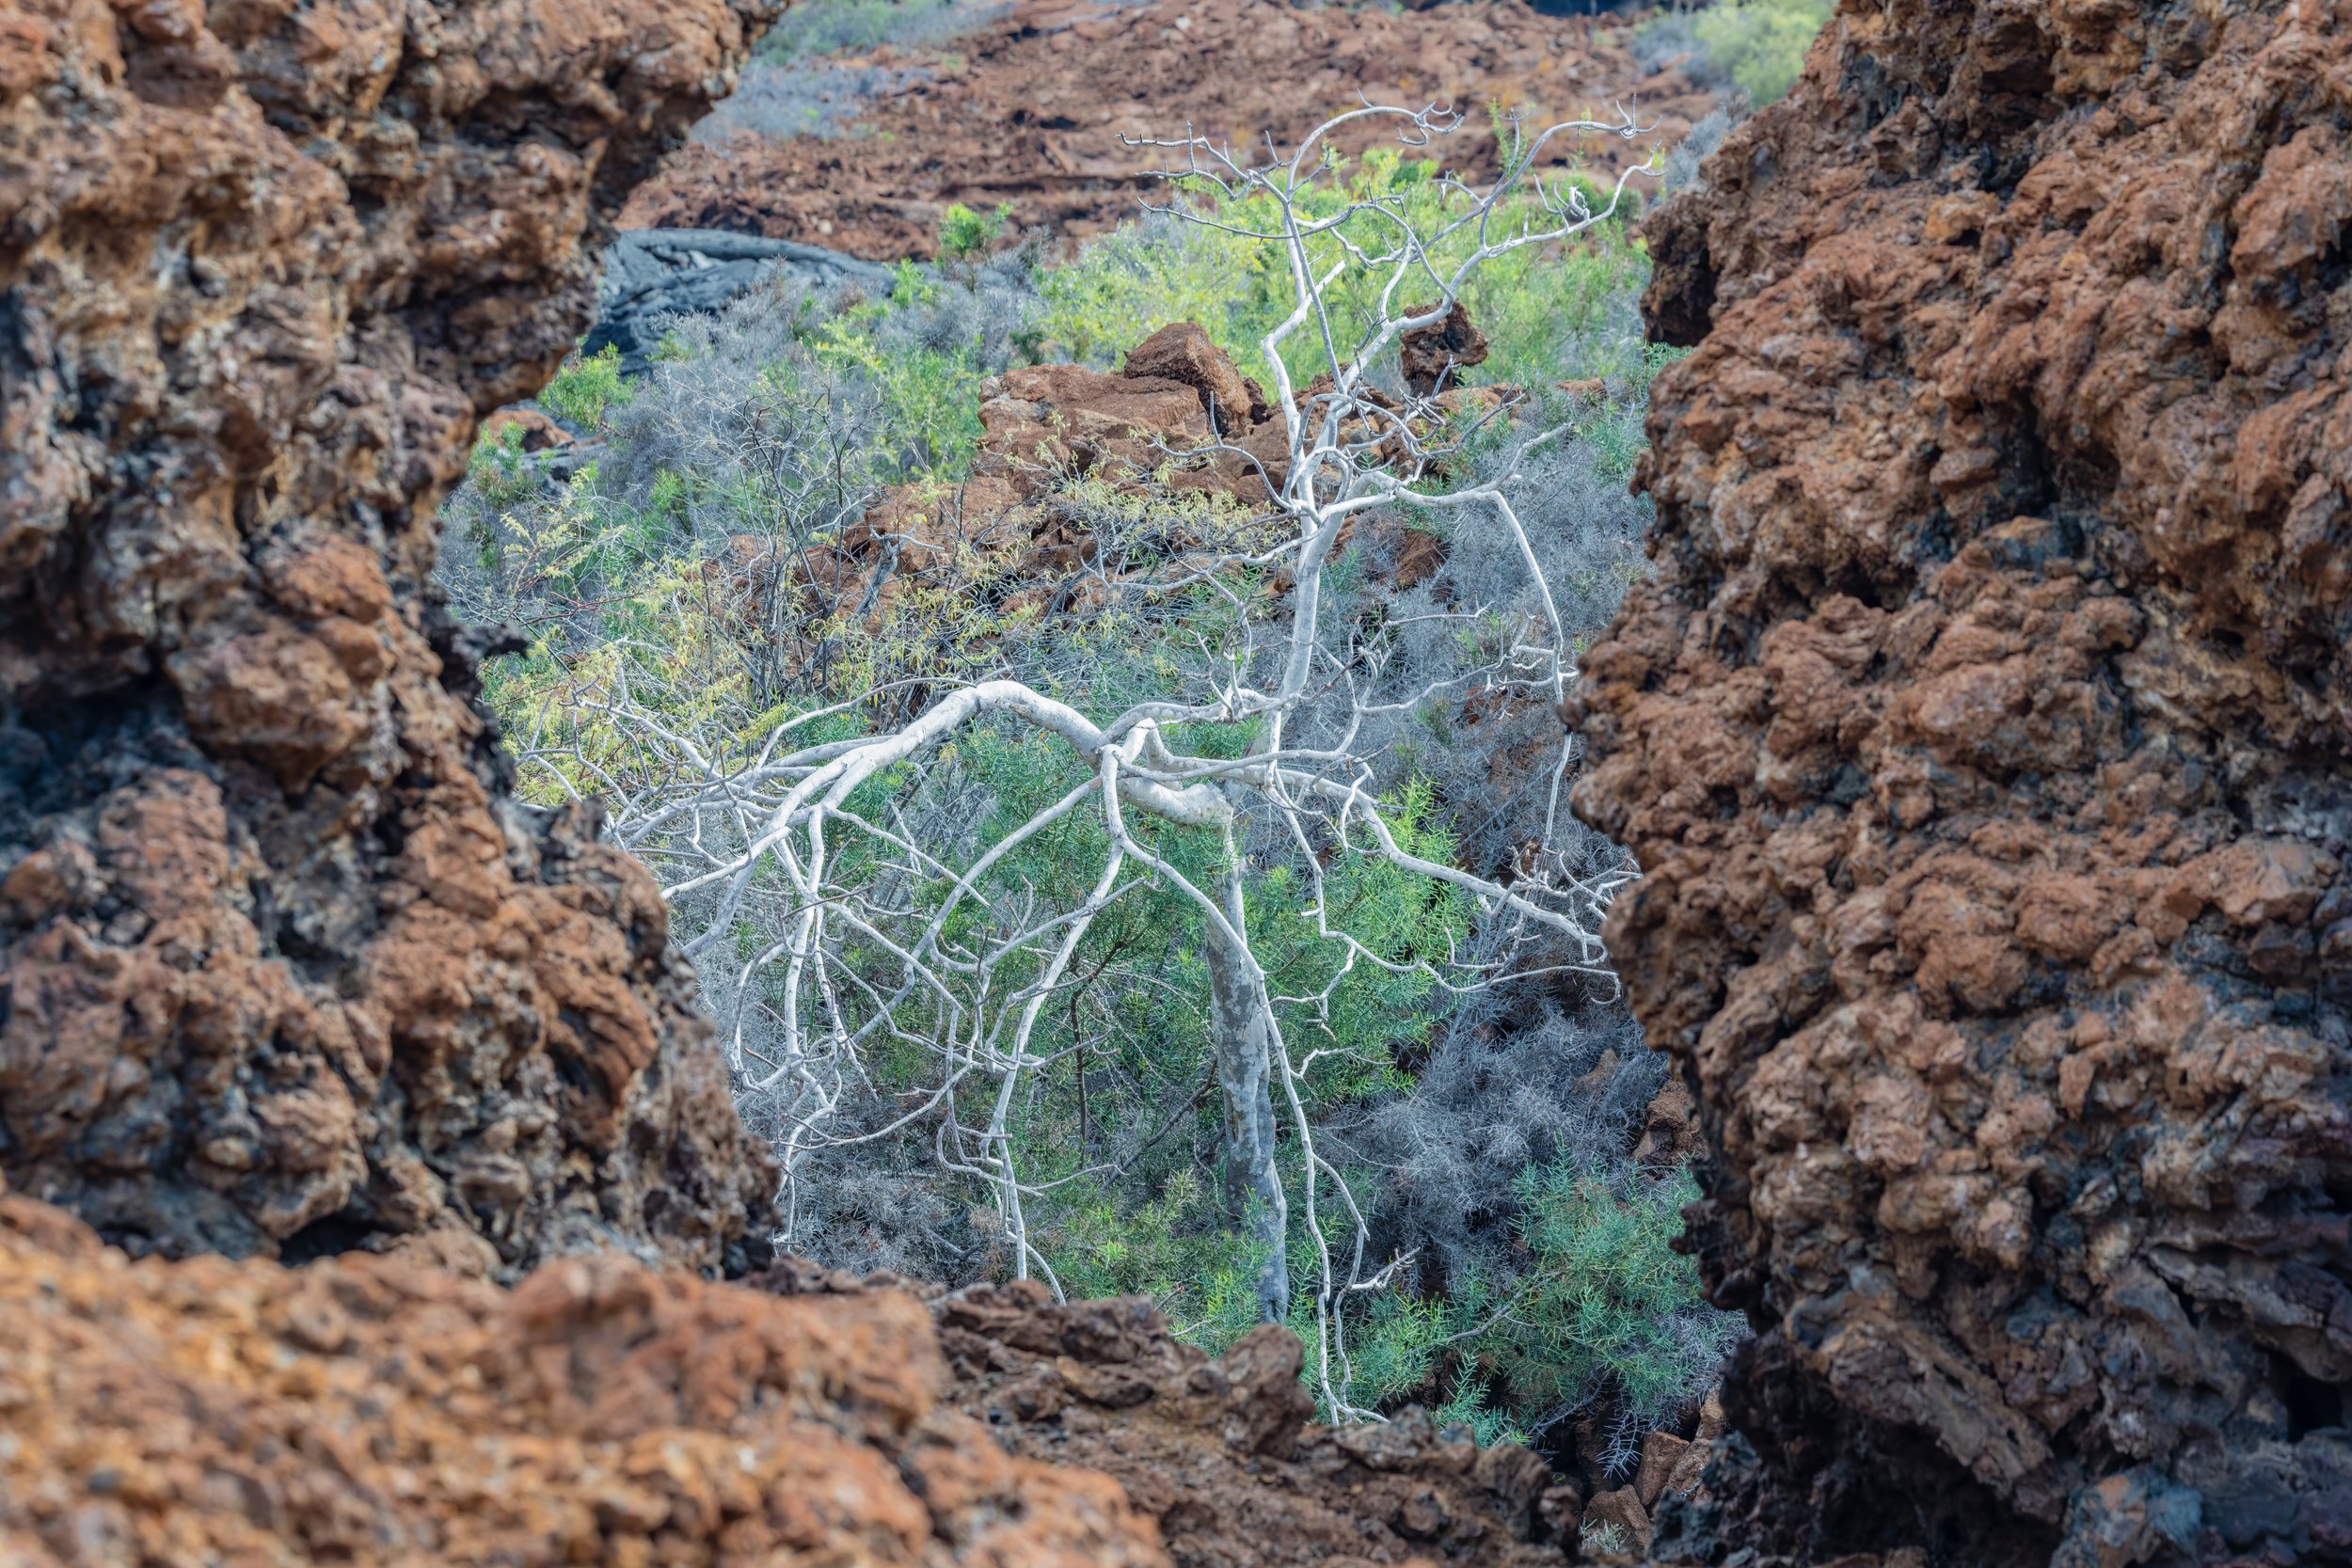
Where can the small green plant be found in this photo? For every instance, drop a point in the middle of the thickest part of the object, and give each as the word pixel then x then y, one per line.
pixel 964 234
pixel 1759 45
pixel 1607 1298
pixel 499 469
pixel 585 388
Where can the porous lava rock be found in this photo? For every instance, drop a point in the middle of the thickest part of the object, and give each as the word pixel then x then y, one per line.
pixel 366 1410
pixel 1221 1452
pixel 1436 354
pixel 1985 738
pixel 283 967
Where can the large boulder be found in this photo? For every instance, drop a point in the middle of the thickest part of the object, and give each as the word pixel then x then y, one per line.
pixel 284 966
pixel 1985 737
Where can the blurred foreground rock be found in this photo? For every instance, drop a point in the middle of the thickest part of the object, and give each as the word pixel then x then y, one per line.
pixel 373 1410
pixel 367 1410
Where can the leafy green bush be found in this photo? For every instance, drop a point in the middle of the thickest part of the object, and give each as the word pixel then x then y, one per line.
pixel 1607 1296
pixel 498 472
pixel 964 233
pixel 1532 303
pixel 1757 45
pixel 1601 1305
pixel 585 388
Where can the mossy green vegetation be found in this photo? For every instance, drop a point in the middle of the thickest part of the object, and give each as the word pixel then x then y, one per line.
pixel 585 388
pixel 1757 46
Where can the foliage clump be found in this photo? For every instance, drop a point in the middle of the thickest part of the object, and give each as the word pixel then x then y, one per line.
pixel 1485 1129
pixel 585 388
pixel 1758 46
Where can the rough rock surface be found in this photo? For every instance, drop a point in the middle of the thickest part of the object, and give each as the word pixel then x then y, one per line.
pixel 366 1410
pixel 1030 112
pixel 1985 737
pixel 282 967
pixel 1220 1452
pixel 653 274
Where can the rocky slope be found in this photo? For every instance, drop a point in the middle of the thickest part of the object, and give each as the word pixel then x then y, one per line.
pixel 1985 737
pixel 283 968
pixel 1030 110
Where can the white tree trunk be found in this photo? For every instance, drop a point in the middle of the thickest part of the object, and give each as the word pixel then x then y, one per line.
pixel 1243 1046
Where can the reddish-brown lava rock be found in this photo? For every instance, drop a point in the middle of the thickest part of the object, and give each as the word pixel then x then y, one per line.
pixel 370 1410
pixel 1985 737
pixel 1022 513
pixel 282 965
pixel 1437 353
pixel 1030 111
pixel 1182 351
pixel 1221 1452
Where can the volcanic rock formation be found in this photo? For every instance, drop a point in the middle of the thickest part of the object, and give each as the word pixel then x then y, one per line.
pixel 1985 737
pixel 369 1410
pixel 284 969
pixel 1219 1453
pixel 366 1410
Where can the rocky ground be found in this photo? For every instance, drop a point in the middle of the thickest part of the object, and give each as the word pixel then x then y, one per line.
pixel 1029 110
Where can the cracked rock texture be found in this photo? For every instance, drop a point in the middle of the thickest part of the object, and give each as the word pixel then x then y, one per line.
pixel 366 1411
pixel 283 969
pixel 1985 737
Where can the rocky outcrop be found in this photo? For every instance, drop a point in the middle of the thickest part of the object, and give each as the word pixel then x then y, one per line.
pixel 373 1410
pixel 1985 737
pixel 366 1410
pixel 284 969
pixel 1221 1453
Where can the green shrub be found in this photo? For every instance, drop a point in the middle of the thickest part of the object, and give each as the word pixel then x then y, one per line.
pixel 498 468
pixel 1760 45
pixel 585 388
pixel 964 233
pixel 1534 303
pixel 1606 1300
pixel 814 27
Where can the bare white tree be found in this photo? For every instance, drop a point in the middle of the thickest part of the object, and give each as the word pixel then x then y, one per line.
pixel 882 933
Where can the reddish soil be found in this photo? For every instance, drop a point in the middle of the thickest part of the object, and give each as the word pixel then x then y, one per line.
pixel 1030 112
